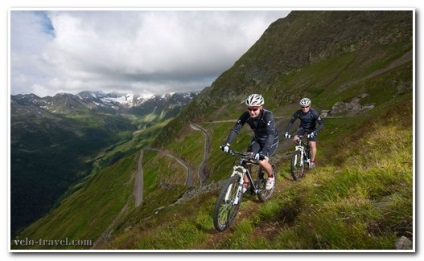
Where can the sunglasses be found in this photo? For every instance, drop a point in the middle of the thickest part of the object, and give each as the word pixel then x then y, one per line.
pixel 253 109
pixel 304 107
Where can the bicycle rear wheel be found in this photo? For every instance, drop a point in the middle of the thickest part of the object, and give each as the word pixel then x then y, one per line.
pixel 228 204
pixel 265 194
pixel 297 166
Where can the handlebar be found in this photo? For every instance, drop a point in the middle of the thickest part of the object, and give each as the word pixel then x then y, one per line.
pixel 301 140
pixel 247 155
pixel 300 136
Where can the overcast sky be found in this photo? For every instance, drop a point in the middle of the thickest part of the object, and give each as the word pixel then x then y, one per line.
pixel 140 51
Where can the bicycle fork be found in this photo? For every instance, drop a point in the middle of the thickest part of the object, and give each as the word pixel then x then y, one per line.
pixel 305 157
pixel 300 161
pixel 237 170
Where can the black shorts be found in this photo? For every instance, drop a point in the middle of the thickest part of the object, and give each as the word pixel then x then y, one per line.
pixel 255 147
pixel 305 132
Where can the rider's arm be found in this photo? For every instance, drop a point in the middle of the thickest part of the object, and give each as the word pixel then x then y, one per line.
pixel 271 131
pixel 237 127
pixel 319 121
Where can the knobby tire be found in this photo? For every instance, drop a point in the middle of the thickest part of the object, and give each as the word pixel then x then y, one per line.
pixel 297 166
pixel 225 210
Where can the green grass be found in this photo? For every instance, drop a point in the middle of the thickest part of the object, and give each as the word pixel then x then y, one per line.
pixel 160 171
pixel 184 226
pixel 187 147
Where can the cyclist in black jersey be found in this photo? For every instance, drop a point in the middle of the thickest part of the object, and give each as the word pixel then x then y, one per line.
pixel 310 123
pixel 265 140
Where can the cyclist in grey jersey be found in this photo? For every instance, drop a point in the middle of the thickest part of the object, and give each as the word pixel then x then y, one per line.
pixel 265 140
pixel 310 123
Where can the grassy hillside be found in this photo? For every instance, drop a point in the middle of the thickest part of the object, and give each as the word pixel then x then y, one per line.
pixel 360 197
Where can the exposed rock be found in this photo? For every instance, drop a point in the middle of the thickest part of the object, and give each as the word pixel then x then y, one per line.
pixel 403 243
pixel 326 113
pixel 196 191
pixel 351 108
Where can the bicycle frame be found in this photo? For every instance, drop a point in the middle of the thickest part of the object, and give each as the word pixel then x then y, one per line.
pixel 241 171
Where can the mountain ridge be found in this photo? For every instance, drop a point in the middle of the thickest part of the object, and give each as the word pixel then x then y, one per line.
pixel 96 100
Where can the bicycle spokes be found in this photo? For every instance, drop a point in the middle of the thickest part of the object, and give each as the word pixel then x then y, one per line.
pixel 225 213
pixel 228 203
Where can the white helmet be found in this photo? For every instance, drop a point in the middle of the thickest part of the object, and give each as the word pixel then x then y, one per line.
pixel 255 100
pixel 305 102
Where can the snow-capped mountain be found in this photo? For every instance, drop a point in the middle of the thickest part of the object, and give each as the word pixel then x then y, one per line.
pixel 100 101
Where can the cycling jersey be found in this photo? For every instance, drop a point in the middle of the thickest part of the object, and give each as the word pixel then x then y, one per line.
pixel 308 121
pixel 263 127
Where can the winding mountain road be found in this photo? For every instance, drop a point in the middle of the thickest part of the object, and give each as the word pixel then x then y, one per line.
pixel 138 183
pixel 201 174
pixel 186 165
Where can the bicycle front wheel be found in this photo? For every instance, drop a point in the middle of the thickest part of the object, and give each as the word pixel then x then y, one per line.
pixel 228 204
pixel 297 166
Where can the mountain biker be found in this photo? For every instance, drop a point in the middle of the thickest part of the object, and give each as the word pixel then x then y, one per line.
pixel 265 140
pixel 309 118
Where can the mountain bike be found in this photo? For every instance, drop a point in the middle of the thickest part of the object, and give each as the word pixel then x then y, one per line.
pixel 231 194
pixel 300 157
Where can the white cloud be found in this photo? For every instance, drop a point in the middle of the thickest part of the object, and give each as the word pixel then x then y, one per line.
pixel 141 50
